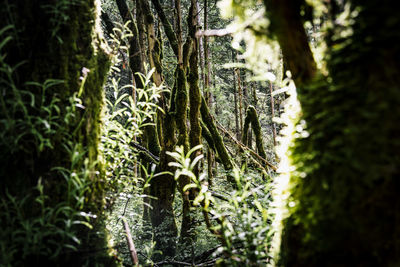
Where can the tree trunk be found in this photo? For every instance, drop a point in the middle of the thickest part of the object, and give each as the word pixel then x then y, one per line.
pixel 252 118
pixel 272 105
pixel 174 121
pixel 187 230
pixel 51 133
pixel 217 139
pixel 235 94
pixel 136 54
pixel 345 185
pixel 240 100
pixel 206 91
pixel 286 24
pixel 162 188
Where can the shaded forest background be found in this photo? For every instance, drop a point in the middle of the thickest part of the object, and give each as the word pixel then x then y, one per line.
pixel 199 133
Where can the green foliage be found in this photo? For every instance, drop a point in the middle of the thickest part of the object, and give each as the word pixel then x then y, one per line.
pixel 250 29
pixel 59 17
pixel 244 223
pixel 29 124
pixel 124 123
pixel 51 232
pixel 49 181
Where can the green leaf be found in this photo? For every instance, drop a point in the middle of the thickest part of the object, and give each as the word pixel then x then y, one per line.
pixel 189 186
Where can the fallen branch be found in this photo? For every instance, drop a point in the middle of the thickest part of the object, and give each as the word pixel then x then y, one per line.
pixel 131 245
pixel 209 122
pixel 241 145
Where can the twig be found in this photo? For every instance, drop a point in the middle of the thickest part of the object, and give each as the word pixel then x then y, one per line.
pixel 153 157
pixel 218 195
pixel 123 213
pixel 172 262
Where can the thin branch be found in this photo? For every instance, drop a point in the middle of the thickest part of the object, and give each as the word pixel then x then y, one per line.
pixel 218 195
pixel 150 155
pixel 131 245
pixel 241 145
pixel 173 262
pixel 215 32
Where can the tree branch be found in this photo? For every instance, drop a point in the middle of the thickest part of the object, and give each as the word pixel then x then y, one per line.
pixel 214 32
pixel 131 245
pixel 169 31
pixel 241 145
pixel 144 150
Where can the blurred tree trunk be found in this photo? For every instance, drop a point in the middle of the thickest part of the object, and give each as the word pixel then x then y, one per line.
pixel 55 42
pixel 252 118
pixel 345 187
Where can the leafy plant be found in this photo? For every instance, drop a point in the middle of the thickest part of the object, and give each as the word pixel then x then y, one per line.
pixel 34 225
pixel 243 222
pixel 59 15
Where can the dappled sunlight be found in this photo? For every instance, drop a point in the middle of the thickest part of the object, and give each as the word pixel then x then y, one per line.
pixel 199 133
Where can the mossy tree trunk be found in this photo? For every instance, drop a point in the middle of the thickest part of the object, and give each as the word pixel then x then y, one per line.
pixel 187 230
pixel 252 118
pixel 345 187
pixel 54 42
pixel 207 92
pixel 174 121
pixel 153 133
pixel 186 70
pixel 240 93
pixel 217 140
pixel 154 47
pixel 162 188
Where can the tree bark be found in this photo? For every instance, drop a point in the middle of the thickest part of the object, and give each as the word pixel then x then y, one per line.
pixel 217 138
pixel 240 100
pixel 50 49
pixel 287 25
pixel 345 187
pixel 136 59
pixel 187 230
pixel 169 31
pixel 252 118
pixel 235 94
pixel 131 245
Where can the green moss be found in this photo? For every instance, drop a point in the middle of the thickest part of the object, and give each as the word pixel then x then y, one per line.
pixel 252 118
pixel 55 49
pixel 345 187
pixel 167 27
pixel 217 138
pixel 181 103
